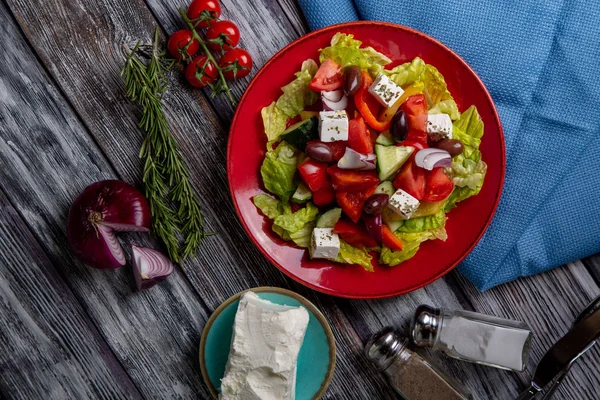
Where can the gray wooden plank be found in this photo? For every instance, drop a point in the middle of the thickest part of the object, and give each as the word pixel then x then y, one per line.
pixel 49 348
pixel 46 159
pixel 593 265
pixel 218 271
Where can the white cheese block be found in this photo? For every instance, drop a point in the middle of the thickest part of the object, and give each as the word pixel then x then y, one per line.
pixel 324 243
pixel 264 350
pixel 385 91
pixel 333 125
pixel 439 126
pixel 403 204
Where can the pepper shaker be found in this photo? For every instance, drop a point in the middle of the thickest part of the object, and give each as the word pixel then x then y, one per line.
pixel 411 373
pixel 473 337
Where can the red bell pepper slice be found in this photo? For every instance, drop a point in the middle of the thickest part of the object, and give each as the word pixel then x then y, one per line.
pixel 345 180
pixel 355 234
pixel 362 98
pixel 352 203
pixel 390 240
pixel 323 197
pixel 314 174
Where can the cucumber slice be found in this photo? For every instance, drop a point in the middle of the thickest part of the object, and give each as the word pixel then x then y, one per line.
pixel 302 194
pixel 391 158
pixel 386 187
pixel 391 219
pixel 329 218
pixel 385 139
pixel 301 133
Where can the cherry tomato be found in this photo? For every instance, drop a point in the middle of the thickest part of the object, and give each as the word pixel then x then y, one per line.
pixel 345 180
pixel 239 61
pixel 411 179
pixel 328 77
pixel 204 11
pixel 438 186
pixel 225 32
pixel 352 203
pixel 200 72
pixel 182 44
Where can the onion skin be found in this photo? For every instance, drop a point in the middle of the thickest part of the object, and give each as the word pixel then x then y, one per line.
pixel 101 209
pixel 149 266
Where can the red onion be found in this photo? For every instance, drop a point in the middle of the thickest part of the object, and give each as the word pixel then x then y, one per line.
pixel 355 160
pixel 335 100
pixel 149 266
pixel 431 158
pixel 373 223
pixel 101 209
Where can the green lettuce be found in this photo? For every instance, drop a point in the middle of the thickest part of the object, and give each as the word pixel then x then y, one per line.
pixel 424 223
pixel 467 170
pixel 278 170
pixel 296 94
pixel 293 222
pixel 274 121
pixel 446 107
pixel 346 51
pixel 411 241
pixel 267 205
pixel 354 255
pixel 407 73
pixel 302 236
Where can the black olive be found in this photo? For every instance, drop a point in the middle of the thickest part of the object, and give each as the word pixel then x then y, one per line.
pixel 352 80
pixel 319 151
pixel 452 146
pixel 399 126
pixel 376 203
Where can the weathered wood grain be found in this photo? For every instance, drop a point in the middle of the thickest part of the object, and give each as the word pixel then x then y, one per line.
pixel 49 348
pixel 46 159
pixel 593 265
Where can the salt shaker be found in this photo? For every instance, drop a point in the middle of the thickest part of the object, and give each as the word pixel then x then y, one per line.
pixel 473 337
pixel 411 374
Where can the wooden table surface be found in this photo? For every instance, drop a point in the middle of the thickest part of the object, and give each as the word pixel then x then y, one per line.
pixel 72 332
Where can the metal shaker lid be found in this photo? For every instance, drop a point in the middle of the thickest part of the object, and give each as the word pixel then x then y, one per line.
pixel 425 325
pixel 383 347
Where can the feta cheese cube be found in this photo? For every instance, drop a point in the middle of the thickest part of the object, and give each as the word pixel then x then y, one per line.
pixel 324 243
pixel 333 125
pixel 385 91
pixel 439 126
pixel 403 204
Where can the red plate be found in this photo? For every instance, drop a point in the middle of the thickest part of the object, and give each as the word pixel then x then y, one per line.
pixel 466 223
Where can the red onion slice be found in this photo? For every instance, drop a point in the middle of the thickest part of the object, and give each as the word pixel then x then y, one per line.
pixel 330 105
pixel 334 95
pixel 431 158
pixel 355 160
pixel 149 266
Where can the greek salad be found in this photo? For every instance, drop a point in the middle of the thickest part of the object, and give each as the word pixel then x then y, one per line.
pixel 365 160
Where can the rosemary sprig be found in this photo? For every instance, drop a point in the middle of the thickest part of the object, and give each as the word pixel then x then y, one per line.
pixel 174 206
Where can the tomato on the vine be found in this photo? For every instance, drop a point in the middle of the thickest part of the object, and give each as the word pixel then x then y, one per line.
pixel 204 11
pixel 223 33
pixel 200 72
pixel 237 62
pixel 182 44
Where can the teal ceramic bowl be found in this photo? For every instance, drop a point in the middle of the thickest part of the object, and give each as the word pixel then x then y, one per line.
pixel 316 360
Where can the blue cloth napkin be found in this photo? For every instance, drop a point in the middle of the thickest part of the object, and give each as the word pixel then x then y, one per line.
pixel 540 61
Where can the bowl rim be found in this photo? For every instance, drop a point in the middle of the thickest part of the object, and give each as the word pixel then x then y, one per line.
pixel 484 227
pixel 285 292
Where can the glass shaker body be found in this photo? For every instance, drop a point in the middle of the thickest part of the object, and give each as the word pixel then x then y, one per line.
pixel 473 337
pixel 411 373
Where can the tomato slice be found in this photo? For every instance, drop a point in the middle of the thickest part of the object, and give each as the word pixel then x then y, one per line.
pixel 411 179
pixel 352 203
pixel 390 240
pixel 345 180
pixel 323 197
pixel 328 77
pixel 415 108
pixel 338 148
pixel 356 235
pixel 438 186
pixel 359 138
pixel 314 174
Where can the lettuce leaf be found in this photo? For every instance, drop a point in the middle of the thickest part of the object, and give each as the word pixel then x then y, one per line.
pixel 293 222
pixel 267 205
pixel 424 223
pixel 302 236
pixel 354 255
pixel 274 121
pixel 446 107
pixel 296 94
pixel 412 241
pixel 278 170
pixel 407 73
pixel 345 50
